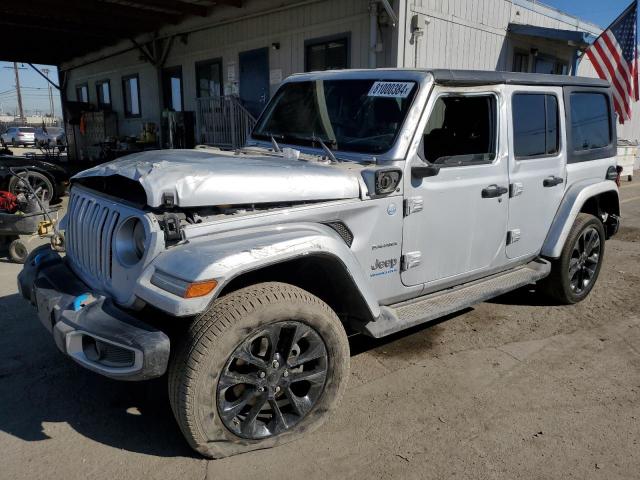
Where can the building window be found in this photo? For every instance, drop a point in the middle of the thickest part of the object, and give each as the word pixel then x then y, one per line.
pixel 520 62
pixel 552 65
pixel 461 131
pixel 209 78
pixel 82 93
pixel 172 88
pixel 535 125
pixel 590 121
pixel 327 53
pixel 131 95
pixel 103 91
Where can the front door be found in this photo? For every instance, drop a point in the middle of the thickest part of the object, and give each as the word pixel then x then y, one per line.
pixel 254 80
pixel 537 167
pixel 460 230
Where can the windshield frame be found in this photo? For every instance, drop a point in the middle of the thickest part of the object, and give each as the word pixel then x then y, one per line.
pixel 417 78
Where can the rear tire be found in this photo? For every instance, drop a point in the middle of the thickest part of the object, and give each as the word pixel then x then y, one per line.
pixel 224 381
pixel 575 273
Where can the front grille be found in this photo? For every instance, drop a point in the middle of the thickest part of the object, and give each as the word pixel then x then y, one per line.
pixel 89 235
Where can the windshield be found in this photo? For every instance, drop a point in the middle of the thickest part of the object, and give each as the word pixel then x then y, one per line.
pixel 54 130
pixel 362 116
pixel 27 129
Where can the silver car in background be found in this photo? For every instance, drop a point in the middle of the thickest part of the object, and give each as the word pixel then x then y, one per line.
pixel 16 136
pixel 49 136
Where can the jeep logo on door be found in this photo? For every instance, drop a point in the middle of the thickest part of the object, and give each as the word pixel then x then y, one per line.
pixel 383 267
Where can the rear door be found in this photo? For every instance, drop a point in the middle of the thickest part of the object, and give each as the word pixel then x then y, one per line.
pixel 537 166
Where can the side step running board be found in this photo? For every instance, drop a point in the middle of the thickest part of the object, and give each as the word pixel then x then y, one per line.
pixel 401 316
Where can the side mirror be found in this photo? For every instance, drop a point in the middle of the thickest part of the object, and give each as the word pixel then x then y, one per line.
pixel 423 171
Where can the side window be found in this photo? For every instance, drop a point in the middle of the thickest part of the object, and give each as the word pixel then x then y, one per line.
pixel 535 125
pixel 131 96
pixel 461 131
pixel 103 90
pixel 590 121
pixel 82 93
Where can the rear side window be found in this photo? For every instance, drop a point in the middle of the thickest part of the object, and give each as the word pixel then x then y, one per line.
pixel 590 121
pixel 535 125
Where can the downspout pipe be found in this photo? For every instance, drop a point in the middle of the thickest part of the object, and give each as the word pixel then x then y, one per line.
pixel 373 34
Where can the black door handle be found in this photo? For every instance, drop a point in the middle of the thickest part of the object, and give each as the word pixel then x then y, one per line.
pixel 552 181
pixel 494 191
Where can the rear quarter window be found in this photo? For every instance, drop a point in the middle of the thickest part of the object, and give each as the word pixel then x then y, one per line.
pixel 590 125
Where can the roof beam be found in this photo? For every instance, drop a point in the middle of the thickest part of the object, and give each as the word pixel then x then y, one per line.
pixel 30 25
pixel 183 8
pixel 231 3
pixel 42 12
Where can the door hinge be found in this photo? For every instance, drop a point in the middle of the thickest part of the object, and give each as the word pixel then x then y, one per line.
pixel 413 205
pixel 410 260
pixel 513 236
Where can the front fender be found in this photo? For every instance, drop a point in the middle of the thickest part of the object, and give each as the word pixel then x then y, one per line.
pixel 227 255
pixel 572 203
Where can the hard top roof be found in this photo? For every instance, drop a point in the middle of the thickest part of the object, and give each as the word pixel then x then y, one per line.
pixel 454 77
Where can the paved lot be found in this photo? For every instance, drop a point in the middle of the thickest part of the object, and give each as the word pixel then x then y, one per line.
pixel 510 389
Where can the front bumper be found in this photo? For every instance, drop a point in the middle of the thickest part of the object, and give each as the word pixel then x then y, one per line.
pixel 87 326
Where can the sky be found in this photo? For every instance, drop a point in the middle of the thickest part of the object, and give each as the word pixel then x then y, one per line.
pixel 600 12
pixel 35 94
pixel 34 89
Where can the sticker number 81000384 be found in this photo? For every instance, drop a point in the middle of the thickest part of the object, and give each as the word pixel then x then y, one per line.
pixel 391 89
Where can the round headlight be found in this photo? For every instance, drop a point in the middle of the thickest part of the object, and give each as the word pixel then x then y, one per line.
pixel 130 241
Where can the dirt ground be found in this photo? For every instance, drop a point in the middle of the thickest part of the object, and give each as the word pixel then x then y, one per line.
pixel 511 389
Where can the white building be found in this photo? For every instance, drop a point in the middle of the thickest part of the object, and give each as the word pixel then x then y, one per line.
pixel 247 51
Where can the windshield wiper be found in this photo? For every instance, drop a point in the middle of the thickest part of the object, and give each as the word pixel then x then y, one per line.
pixel 276 147
pixel 327 150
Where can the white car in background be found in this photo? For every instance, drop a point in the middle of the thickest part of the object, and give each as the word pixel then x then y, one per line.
pixel 49 136
pixel 16 136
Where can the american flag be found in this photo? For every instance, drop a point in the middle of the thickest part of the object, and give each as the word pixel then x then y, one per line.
pixel 614 55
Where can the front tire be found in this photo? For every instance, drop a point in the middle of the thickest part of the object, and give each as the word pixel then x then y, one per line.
pixel 264 365
pixel 575 273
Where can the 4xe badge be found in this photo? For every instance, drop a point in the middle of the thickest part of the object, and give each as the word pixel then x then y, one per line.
pixel 384 267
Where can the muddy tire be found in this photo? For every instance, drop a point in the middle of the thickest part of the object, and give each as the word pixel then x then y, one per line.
pixel 575 273
pixel 263 366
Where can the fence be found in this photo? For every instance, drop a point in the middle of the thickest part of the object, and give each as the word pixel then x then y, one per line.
pixel 223 122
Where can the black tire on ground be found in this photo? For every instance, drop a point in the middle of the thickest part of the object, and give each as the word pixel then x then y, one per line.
pixel 215 338
pixel 18 251
pixel 558 285
pixel 36 179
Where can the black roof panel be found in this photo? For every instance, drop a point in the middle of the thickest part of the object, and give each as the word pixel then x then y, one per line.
pixel 481 77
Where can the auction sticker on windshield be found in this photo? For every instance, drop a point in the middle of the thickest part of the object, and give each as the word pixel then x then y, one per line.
pixel 391 89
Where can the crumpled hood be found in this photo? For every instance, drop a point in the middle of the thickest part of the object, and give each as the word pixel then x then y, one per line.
pixel 199 178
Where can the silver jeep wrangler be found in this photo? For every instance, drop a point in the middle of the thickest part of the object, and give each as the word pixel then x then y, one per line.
pixel 364 201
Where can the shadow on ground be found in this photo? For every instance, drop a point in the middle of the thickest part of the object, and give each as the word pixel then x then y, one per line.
pixel 39 386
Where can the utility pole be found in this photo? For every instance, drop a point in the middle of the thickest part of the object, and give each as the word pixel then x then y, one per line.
pixel 46 72
pixel 20 109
